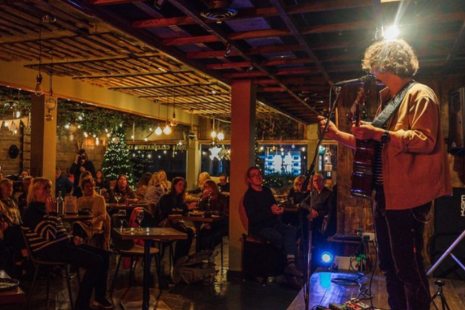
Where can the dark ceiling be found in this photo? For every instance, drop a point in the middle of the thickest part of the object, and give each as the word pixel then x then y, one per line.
pixel 165 51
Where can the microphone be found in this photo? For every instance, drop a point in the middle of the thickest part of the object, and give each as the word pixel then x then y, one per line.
pixel 358 81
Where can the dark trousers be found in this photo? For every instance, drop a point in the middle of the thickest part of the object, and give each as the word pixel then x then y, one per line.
pixel 212 237
pixel 183 246
pixel 93 259
pixel 399 235
pixel 281 236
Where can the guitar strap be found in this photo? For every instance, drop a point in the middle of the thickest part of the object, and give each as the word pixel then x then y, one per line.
pixel 392 106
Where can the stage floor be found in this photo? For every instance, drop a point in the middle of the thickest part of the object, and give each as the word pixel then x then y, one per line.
pixel 338 287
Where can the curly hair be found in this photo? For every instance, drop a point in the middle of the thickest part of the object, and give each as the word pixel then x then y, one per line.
pixel 397 56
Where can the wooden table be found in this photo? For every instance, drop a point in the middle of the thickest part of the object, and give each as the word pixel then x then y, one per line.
pixel 198 221
pixel 13 295
pixel 75 217
pixel 148 235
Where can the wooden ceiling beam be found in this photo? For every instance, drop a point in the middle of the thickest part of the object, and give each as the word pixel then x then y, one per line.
pixel 243 13
pixel 162 86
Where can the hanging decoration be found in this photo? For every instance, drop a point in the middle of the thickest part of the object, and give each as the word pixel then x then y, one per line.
pixel 38 91
pixel 50 102
pixel 174 121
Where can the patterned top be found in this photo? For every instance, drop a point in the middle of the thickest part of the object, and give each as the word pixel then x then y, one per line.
pixel 43 228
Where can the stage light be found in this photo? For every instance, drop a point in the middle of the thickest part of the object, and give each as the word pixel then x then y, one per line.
pixel 326 258
pixel 391 33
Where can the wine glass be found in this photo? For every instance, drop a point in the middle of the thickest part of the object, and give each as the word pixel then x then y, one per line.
pixel 122 216
pixel 140 217
pixel 117 197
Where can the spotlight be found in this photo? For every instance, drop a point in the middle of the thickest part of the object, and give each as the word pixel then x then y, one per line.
pixel 227 51
pixel 326 258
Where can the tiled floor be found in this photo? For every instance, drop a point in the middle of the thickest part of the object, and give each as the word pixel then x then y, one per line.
pixel 224 294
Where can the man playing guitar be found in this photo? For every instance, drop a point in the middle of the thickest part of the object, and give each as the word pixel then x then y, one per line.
pixel 413 172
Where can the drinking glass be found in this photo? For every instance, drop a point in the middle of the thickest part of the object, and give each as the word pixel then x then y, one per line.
pixel 140 217
pixel 122 216
pixel 117 197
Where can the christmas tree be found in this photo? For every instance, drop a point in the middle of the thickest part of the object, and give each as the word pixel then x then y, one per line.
pixel 117 159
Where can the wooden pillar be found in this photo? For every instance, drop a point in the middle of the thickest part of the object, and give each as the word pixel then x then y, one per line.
pixel 193 163
pixel 43 140
pixel 242 157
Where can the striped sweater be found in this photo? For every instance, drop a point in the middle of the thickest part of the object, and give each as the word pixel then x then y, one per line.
pixel 42 228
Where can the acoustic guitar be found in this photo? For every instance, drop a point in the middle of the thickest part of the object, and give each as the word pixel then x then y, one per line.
pixel 364 156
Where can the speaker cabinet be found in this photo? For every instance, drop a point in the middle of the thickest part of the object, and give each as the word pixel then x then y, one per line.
pixel 449 223
pixel 456 142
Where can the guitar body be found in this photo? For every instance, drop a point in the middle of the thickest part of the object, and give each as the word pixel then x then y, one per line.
pixel 363 169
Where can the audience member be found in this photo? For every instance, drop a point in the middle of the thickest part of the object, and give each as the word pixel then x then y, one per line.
pixel 154 192
pixel 123 189
pixel 264 219
pixel 141 186
pixel 319 202
pixel 173 203
pixel 81 163
pixel 62 184
pixel 24 173
pixel 213 201
pixel 70 175
pixel 10 231
pixel 92 201
pixel 77 192
pixel 50 241
pixel 101 184
pixel 223 185
pixel 22 198
pixel 203 176
pixel 164 180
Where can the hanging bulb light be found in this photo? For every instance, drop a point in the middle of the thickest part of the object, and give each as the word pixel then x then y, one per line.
pixel 213 133
pixel 167 130
pixel 158 131
pixel 220 136
pixel 174 121
pixel 50 102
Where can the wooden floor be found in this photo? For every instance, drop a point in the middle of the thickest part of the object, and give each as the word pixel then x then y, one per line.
pixel 339 287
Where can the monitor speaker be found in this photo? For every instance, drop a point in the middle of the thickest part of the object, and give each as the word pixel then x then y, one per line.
pixel 456 141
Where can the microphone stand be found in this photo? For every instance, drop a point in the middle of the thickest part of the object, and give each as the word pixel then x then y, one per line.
pixel 309 175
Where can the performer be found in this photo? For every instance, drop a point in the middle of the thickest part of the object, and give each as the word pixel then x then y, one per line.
pixel 412 150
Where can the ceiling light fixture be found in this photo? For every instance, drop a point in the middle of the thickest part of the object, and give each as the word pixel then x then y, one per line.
pixel 219 10
pixel 227 51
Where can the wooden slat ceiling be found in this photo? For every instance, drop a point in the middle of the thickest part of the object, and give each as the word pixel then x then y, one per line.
pixel 164 51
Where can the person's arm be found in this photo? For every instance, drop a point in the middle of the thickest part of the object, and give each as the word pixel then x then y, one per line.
pixel 334 133
pixel 74 167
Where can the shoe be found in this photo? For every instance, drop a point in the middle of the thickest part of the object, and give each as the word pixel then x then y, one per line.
pixel 103 304
pixel 291 270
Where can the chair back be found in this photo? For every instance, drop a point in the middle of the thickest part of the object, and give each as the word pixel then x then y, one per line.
pixel 30 252
pixel 118 242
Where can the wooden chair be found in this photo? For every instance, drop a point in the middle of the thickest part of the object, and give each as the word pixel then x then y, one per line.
pixel 126 249
pixel 37 264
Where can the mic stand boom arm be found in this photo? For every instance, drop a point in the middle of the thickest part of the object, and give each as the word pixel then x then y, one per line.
pixel 309 176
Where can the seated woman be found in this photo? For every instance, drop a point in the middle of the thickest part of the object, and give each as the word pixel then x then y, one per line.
pixel 295 197
pixel 164 180
pixel 173 203
pixel 101 184
pixel 96 204
pixel 154 192
pixel 122 189
pixel 213 201
pixel 142 185
pixel 50 241
pixel 10 230
pixel 203 176
pixel 77 192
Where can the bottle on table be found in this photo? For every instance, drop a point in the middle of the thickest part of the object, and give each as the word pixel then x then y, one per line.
pixel 60 204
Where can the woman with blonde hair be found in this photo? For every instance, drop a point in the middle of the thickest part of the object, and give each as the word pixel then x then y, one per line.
pixel 203 176
pixel 50 241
